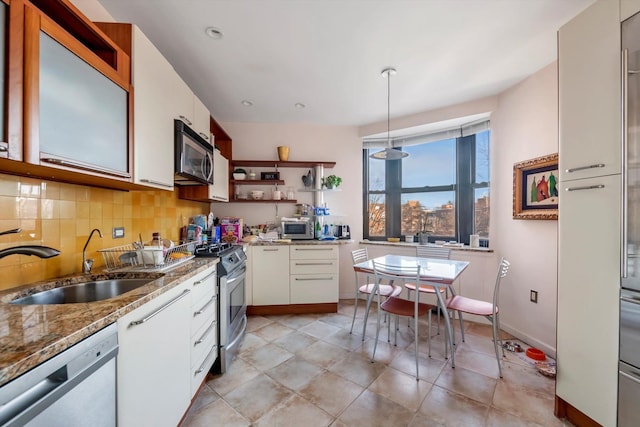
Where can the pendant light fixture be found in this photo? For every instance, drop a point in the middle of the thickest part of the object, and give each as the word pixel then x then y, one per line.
pixel 389 153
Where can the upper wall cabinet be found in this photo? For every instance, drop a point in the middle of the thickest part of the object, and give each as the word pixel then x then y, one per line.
pixel 152 78
pixel 191 110
pixel 628 8
pixel 589 93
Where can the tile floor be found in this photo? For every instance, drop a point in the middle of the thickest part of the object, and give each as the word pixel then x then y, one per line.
pixel 307 370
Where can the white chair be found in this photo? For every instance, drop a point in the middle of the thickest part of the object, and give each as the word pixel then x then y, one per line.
pixel 482 308
pixel 423 251
pixel 399 306
pixel 361 255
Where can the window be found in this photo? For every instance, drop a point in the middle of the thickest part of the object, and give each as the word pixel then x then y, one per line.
pixel 441 187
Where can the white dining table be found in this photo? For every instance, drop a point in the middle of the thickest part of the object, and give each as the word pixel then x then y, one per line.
pixel 435 271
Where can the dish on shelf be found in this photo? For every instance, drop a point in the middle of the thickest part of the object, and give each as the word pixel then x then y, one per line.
pixel 257 194
pixel 239 176
pixel 393 239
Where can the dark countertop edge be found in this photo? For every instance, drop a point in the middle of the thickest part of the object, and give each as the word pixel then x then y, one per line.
pixel 408 244
pixel 302 242
pixel 105 313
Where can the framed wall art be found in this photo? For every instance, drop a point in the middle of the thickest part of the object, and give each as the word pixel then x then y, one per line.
pixel 535 188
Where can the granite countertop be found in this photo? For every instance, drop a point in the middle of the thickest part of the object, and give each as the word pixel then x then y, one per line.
pixel 31 334
pixel 300 242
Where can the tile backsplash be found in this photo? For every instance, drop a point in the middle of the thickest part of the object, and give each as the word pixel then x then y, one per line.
pixel 62 215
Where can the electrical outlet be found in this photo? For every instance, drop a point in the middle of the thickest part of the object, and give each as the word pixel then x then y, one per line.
pixel 117 232
pixel 533 296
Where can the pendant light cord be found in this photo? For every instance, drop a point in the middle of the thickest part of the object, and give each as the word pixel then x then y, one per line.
pixel 389 108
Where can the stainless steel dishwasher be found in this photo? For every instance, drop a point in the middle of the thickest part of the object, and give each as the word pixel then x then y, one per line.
pixel 74 388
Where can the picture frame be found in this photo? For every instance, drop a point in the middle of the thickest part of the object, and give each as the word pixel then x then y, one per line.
pixel 269 175
pixel 535 188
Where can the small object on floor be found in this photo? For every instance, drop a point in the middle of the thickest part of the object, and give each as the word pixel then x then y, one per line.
pixel 535 354
pixel 512 346
pixel 546 369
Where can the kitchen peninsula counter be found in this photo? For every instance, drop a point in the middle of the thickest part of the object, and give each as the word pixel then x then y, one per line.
pixel 299 242
pixel 32 334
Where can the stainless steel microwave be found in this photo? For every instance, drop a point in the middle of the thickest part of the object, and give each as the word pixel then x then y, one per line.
pixel 193 157
pixel 297 229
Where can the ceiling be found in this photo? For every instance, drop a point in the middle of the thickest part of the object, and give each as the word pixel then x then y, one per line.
pixel 329 54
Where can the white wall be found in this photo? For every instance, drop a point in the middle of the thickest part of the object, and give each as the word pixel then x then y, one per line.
pixel 340 144
pixel 525 126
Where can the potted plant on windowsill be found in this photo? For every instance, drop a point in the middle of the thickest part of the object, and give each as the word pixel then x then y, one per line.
pixel 332 181
pixel 426 228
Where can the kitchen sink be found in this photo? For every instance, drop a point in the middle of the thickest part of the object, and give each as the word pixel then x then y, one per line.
pixel 84 292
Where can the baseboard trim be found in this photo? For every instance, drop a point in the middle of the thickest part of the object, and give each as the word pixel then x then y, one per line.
pixel 563 409
pixel 261 310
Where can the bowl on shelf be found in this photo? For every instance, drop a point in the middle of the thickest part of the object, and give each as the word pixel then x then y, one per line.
pixel 239 176
pixel 256 194
pixel 393 239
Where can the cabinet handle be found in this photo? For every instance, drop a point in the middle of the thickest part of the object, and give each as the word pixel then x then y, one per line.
pixel 204 136
pixel 313 278
pixel 313 249
pixel 146 319
pixel 199 312
pixel 4 147
pixel 314 263
pixel 588 187
pixel 597 165
pixel 625 172
pixel 196 283
pixel 80 165
pixel 184 119
pixel 630 300
pixel 206 360
pixel 271 250
pixel 202 338
pixel 151 181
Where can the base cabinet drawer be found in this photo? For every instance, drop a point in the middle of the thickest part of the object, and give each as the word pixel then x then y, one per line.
pixel 199 371
pixel 204 311
pixel 313 288
pixel 313 266
pixel 313 252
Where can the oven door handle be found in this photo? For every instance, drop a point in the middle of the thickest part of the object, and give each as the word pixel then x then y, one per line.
pixel 237 275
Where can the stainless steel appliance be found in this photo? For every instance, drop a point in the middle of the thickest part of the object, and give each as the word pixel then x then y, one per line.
pixel 76 387
pixel 193 157
pixel 297 229
pixel 231 273
pixel 342 231
pixel 629 365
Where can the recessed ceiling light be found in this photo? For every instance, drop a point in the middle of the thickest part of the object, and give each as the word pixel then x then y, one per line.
pixel 299 105
pixel 246 103
pixel 214 33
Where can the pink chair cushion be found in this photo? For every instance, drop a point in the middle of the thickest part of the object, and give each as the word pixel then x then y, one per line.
pixel 470 305
pixel 385 290
pixel 428 289
pixel 403 307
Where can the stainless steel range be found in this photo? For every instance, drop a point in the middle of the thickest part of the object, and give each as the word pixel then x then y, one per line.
pixel 231 272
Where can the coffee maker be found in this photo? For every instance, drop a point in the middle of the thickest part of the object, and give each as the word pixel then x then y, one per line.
pixel 342 231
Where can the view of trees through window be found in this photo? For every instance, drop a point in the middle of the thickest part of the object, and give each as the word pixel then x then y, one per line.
pixel 441 188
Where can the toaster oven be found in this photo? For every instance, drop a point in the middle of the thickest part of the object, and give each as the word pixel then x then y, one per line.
pixel 297 229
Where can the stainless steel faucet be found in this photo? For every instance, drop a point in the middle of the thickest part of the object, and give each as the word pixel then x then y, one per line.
pixel 87 264
pixel 39 251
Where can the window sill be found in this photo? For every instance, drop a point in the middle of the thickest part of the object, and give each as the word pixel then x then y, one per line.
pixel 407 244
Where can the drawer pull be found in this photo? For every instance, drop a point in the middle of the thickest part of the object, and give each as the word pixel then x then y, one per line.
pixel 314 263
pixel 313 278
pixel 588 187
pixel 206 361
pixel 204 279
pixel 313 249
pixel 202 309
pixel 581 168
pixel 204 136
pixel 151 181
pixel 271 250
pixel 146 319
pixel 204 335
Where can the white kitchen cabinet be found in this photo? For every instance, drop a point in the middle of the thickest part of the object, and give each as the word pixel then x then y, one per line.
pixel 314 274
pixel 201 119
pixel 153 379
pixel 588 292
pixel 204 326
pixel 589 213
pixel 270 268
pixel 219 191
pixel 628 8
pixel 589 93
pixel 152 77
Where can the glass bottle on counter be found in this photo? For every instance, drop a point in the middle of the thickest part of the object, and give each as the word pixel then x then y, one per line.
pixel 156 240
pixel 318 231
